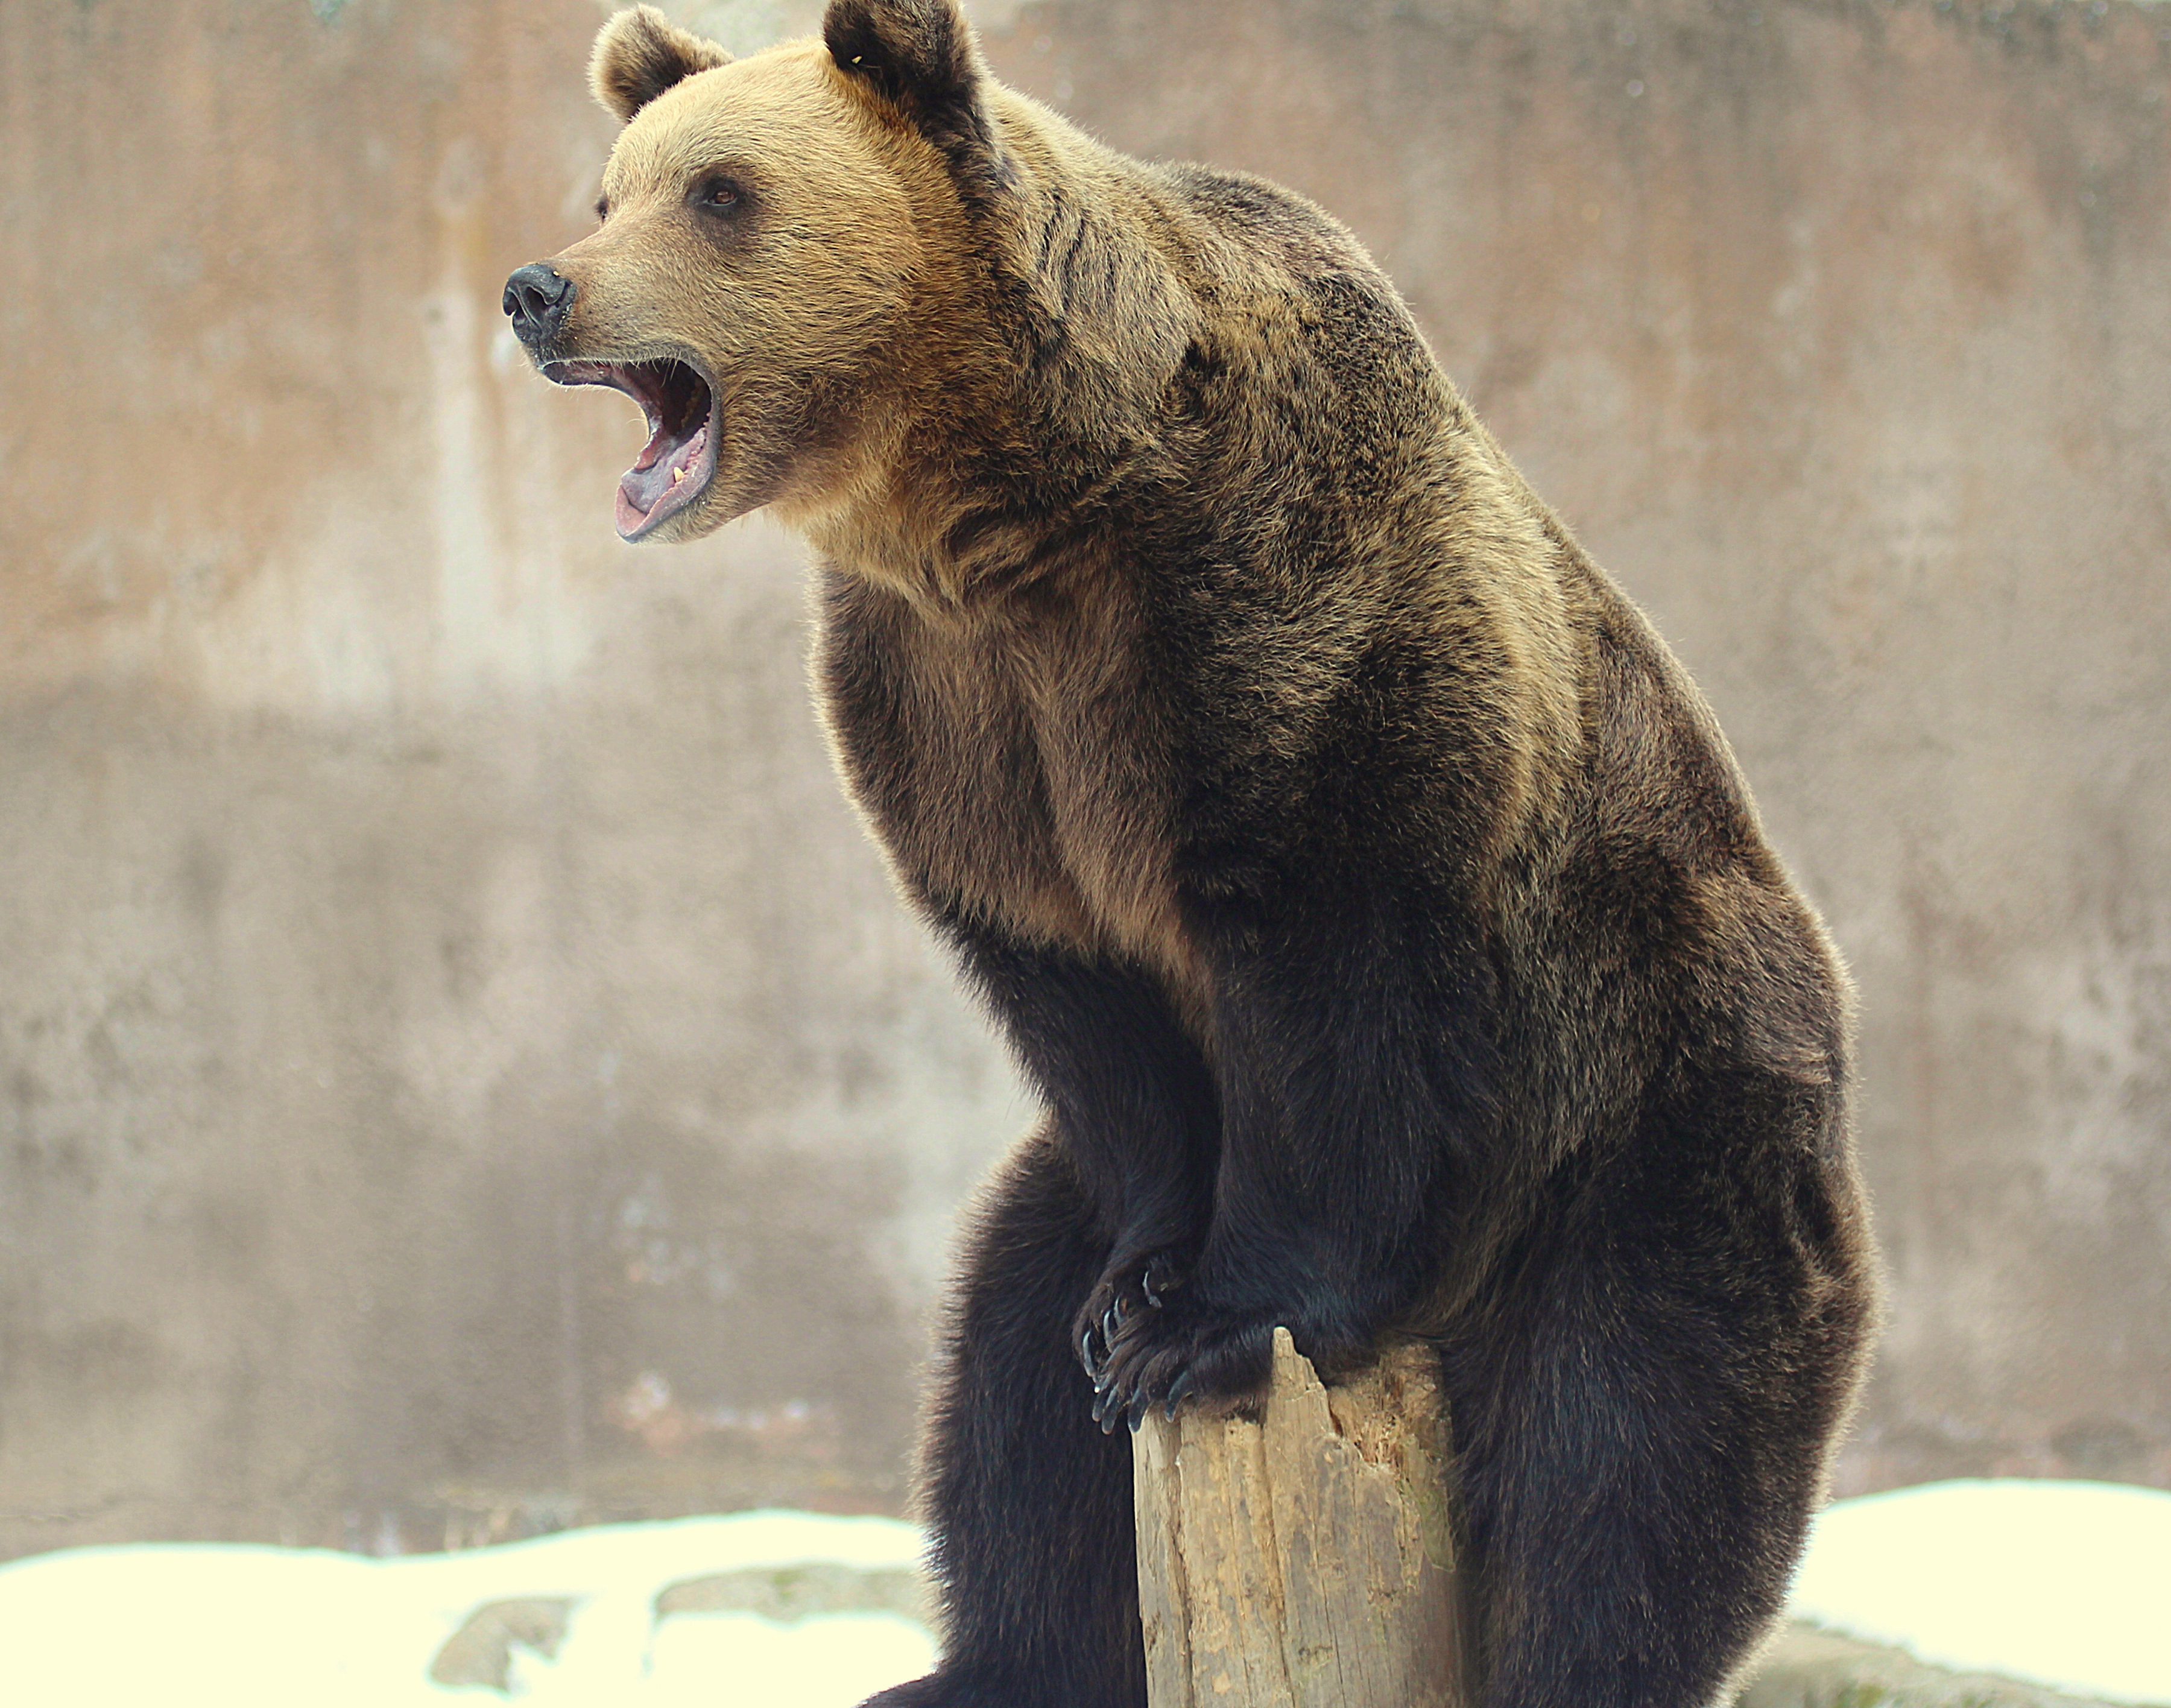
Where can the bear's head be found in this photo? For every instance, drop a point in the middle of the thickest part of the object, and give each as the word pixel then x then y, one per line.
pixel 773 229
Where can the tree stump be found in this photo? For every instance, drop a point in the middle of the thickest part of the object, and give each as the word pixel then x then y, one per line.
pixel 1307 1559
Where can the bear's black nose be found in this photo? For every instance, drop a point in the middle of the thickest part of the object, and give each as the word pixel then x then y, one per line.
pixel 537 300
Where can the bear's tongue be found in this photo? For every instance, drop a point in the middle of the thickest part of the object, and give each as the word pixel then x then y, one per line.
pixel 666 462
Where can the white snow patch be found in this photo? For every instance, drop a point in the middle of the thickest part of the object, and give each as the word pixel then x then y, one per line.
pixel 250 1627
pixel 2068 1584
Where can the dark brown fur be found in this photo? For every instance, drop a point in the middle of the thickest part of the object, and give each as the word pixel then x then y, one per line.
pixel 1368 891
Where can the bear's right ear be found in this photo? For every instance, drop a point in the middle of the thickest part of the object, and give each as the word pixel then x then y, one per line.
pixel 640 54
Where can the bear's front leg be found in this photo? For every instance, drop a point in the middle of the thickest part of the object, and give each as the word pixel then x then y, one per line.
pixel 1135 1106
pixel 1354 1073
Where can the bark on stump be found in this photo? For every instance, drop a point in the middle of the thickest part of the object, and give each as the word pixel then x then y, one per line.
pixel 1305 1561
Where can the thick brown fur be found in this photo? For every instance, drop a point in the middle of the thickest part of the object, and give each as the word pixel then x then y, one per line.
pixel 1366 890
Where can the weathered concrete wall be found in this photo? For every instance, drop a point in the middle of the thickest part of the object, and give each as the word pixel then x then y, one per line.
pixel 460 1066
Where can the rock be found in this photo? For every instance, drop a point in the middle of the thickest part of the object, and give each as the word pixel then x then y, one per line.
pixel 788 1593
pixel 480 1651
pixel 1807 1667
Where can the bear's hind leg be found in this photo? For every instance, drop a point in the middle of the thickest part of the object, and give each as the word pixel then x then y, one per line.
pixel 1641 1440
pixel 1029 1503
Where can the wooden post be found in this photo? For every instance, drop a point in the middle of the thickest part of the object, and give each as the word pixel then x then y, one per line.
pixel 1306 1561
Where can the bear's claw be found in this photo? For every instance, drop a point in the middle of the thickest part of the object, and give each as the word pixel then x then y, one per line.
pixel 1129 1289
pixel 1177 1352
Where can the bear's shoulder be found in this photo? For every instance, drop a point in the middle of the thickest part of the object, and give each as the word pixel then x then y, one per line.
pixel 1267 219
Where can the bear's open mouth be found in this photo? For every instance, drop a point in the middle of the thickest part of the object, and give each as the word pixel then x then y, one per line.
pixel 676 465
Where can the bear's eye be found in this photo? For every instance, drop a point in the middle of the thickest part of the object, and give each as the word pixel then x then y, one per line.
pixel 603 207
pixel 719 195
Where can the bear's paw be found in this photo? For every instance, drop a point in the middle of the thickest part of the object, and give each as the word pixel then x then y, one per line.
pixel 1180 1350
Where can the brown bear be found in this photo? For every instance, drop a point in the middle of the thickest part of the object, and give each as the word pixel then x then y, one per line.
pixel 1366 891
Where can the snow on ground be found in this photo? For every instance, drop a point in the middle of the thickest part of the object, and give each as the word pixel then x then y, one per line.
pixel 2067 1583
pixel 246 1627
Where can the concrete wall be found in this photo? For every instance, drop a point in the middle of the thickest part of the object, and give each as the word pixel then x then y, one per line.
pixel 462 1070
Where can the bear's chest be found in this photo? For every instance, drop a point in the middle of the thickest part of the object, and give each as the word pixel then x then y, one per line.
pixel 1016 763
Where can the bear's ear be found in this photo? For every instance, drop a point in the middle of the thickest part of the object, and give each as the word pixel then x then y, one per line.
pixel 920 55
pixel 640 54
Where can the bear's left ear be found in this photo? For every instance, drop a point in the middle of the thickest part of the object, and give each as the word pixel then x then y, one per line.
pixel 639 54
pixel 920 55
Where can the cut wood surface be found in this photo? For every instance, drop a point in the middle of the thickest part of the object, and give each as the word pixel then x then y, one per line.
pixel 1306 1560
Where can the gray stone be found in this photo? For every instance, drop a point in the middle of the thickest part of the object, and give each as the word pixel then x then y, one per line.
pixel 788 1593
pixel 1807 1667
pixel 480 1651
